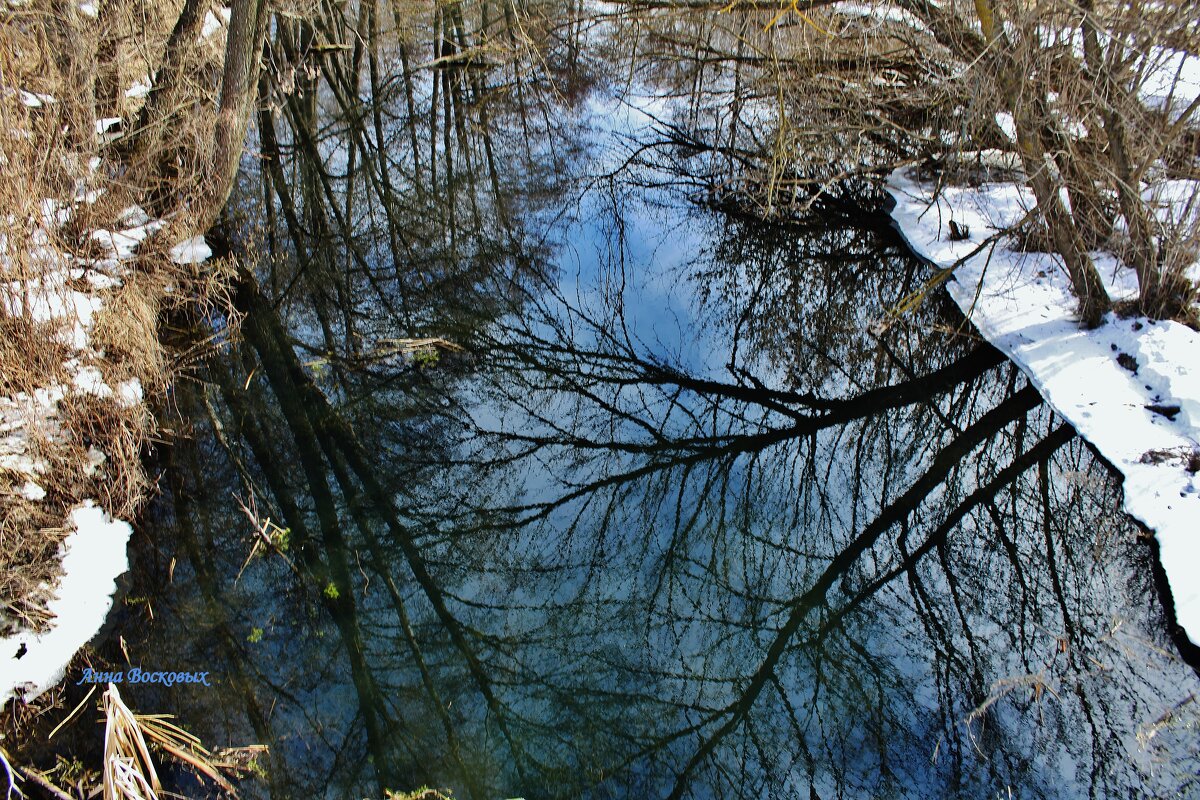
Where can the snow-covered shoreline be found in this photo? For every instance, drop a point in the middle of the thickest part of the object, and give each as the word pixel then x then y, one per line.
pixel 93 557
pixel 66 294
pixel 84 272
pixel 1130 387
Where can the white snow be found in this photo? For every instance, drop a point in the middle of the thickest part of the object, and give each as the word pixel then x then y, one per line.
pixel 96 459
pixel 93 557
pixel 130 392
pixel 104 129
pixel 122 244
pixel 88 380
pixel 134 216
pixel 50 298
pixel 214 22
pixel 1007 125
pixel 66 292
pixel 31 491
pixel 1022 303
pixel 191 251
pixel 879 13
pixel 35 99
pixel 1172 80
pixel 140 88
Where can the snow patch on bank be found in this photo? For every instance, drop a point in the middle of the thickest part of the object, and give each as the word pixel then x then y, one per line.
pixel 1172 80
pixel 1130 387
pixel 214 22
pixel 67 292
pixel 191 251
pixel 93 557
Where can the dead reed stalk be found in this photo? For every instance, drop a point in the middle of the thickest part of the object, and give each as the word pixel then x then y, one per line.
pixel 129 772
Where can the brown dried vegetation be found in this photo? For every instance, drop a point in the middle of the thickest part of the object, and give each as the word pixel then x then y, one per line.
pixel 61 179
pixel 862 90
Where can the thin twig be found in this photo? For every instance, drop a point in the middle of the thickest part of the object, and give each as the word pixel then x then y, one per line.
pixel 12 783
pixel 72 715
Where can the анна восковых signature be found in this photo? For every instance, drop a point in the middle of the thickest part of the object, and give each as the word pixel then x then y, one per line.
pixel 139 675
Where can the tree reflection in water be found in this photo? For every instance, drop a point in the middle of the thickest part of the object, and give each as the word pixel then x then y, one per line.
pixel 739 547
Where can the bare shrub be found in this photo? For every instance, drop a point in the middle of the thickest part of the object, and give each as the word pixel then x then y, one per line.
pixel 1088 97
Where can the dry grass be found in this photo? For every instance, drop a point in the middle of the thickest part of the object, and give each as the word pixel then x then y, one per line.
pixel 126 330
pixel 424 793
pixel 43 158
pixel 29 539
pixel 18 337
pixel 135 746
pixel 30 353
pixel 129 772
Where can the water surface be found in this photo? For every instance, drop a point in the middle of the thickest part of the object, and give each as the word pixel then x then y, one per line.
pixel 675 517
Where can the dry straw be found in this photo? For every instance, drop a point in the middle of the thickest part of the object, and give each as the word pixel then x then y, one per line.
pixel 129 772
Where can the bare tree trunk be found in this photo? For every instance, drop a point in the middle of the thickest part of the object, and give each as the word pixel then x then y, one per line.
pixel 108 60
pixel 1033 120
pixel 1143 252
pixel 239 81
pixel 158 110
pixel 1085 280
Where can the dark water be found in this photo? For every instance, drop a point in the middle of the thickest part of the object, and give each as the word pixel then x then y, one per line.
pixel 674 519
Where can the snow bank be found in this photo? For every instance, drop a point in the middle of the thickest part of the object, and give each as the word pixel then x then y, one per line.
pixel 140 88
pixel 93 557
pixel 1172 80
pixel 879 13
pixel 1130 387
pixel 68 292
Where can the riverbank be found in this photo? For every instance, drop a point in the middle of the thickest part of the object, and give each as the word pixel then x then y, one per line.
pixel 84 275
pixel 80 310
pixel 92 140
pixel 1129 386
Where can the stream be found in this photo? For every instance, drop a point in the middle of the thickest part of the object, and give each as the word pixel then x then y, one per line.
pixel 655 506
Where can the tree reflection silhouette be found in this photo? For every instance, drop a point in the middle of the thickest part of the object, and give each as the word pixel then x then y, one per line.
pixel 772 554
